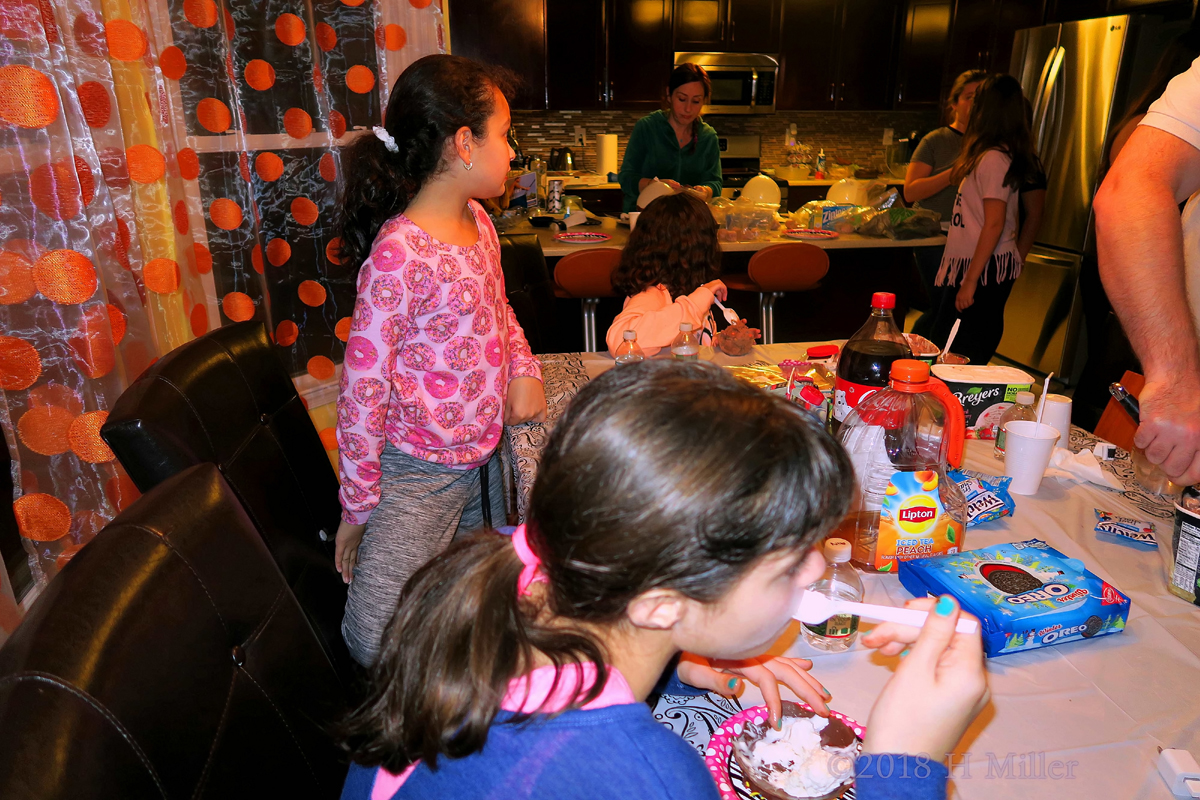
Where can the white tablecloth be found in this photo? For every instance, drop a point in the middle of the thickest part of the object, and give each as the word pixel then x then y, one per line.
pixel 1100 708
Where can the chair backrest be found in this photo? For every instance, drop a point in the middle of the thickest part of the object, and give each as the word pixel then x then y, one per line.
pixel 588 273
pixel 791 267
pixel 169 659
pixel 227 399
pixel 1115 424
pixel 529 288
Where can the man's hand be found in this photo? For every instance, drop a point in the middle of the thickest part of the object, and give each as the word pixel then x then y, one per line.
pixel 1170 429
pixel 526 401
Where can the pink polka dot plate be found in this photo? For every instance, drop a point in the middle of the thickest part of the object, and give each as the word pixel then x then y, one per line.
pixel 581 237
pixel 809 234
pixel 723 765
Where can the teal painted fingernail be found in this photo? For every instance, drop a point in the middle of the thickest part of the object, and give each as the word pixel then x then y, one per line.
pixel 779 724
pixel 945 606
pixel 902 655
pixel 733 683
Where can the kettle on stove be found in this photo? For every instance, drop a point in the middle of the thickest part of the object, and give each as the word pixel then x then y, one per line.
pixel 561 160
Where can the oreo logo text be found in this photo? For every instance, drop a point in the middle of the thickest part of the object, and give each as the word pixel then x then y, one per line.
pixel 1049 591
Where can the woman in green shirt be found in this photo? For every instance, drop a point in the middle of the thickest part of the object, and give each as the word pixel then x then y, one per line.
pixel 675 145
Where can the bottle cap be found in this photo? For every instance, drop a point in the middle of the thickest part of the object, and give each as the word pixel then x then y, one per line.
pixel 909 370
pixel 837 551
pixel 821 351
pixel 685 327
pixel 883 300
pixel 1025 398
pixel 629 336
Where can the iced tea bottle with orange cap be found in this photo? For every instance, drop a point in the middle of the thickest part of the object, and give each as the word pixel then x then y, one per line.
pixel 901 440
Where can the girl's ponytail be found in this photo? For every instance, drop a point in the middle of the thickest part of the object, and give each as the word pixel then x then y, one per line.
pixel 459 634
pixel 431 100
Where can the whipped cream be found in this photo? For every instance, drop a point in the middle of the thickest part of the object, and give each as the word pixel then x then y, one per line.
pixel 810 770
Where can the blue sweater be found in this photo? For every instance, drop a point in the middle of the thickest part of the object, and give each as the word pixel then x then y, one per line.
pixel 612 753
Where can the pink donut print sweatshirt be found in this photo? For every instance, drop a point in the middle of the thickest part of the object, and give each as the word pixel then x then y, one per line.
pixel 433 344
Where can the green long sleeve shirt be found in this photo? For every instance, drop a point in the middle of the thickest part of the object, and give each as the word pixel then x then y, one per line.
pixel 654 152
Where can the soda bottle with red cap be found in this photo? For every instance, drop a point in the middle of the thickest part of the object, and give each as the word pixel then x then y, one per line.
pixel 866 359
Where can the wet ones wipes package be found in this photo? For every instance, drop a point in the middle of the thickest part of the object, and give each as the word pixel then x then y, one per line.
pixel 1026 594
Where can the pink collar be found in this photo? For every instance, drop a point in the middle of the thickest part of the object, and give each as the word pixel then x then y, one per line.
pixel 531 692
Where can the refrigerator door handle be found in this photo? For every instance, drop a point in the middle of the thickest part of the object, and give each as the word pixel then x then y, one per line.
pixel 1041 86
pixel 1044 109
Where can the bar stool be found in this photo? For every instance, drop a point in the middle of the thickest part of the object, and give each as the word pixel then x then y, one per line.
pixel 587 275
pixel 776 269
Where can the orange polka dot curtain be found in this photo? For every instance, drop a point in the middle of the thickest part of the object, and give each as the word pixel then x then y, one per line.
pixel 167 167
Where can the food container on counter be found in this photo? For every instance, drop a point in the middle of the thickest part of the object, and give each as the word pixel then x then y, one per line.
pixel 985 392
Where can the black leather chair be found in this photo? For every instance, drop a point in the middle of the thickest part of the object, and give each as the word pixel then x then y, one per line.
pixel 530 289
pixel 169 660
pixel 227 399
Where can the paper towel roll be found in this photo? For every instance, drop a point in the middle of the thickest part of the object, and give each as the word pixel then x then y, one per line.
pixel 606 153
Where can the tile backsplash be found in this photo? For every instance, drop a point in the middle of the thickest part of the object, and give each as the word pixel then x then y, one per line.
pixel 849 137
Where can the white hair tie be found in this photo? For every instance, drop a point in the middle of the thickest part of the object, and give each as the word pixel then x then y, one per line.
pixel 388 140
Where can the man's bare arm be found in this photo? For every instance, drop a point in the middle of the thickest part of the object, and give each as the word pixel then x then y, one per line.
pixel 1139 239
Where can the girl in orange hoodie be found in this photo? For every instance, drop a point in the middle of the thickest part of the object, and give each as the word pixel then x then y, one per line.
pixel 668 273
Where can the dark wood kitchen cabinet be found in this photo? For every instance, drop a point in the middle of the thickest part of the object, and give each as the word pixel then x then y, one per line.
pixel 510 33
pixel 923 53
pixel 575 54
pixel 640 54
pixel 727 26
pixel 838 54
pixel 982 33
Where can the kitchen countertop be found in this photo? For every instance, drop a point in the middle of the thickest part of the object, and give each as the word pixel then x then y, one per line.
pixel 620 234
pixel 582 182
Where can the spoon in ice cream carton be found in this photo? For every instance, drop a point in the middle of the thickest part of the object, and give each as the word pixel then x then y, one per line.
pixel 815 608
pixel 730 315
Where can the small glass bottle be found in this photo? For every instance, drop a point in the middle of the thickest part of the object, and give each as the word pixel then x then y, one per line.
pixel 840 582
pixel 686 346
pixel 628 352
pixel 1022 409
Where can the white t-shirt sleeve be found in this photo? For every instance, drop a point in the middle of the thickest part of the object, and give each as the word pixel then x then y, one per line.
pixel 1178 111
pixel 989 176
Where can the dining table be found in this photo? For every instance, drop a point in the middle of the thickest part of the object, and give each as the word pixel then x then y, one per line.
pixel 1082 719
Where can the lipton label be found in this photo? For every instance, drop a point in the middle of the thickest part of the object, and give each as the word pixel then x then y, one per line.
pixel 913 523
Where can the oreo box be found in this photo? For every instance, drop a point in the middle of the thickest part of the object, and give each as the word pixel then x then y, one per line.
pixel 1026 594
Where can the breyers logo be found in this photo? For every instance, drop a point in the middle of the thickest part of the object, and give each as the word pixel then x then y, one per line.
pixel 917 514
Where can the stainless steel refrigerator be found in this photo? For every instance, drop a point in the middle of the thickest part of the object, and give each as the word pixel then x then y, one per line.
pixel 1078 76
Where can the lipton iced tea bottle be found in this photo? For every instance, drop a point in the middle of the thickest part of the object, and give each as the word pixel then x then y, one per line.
pixel 866 358
pixel 900 440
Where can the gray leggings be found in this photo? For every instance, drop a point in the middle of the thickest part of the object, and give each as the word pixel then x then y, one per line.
pixel 422 508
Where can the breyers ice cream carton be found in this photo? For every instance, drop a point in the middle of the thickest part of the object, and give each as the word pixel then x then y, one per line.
pixel 985 393
pixel 1027 595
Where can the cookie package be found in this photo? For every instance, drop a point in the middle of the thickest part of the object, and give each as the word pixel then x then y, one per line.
pixel 1027 595
pixel 1137 530
pixel 987 495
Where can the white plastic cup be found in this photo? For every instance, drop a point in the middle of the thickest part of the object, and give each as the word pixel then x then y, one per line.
pixel 1058 416
pixel 1027 449
pixel 633 215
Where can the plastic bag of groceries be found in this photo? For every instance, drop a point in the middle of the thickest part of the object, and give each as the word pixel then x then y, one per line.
pixel 904 223
pixel 743 220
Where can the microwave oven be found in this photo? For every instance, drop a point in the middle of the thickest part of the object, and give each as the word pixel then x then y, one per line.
pixel 742 83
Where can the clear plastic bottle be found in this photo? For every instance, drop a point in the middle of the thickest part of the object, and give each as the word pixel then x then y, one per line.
pixel 900 440
pixel 686 346
pixel 628 352
pixel 840 582
pixel 1022 409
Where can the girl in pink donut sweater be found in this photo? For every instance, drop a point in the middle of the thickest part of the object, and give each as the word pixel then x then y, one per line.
pixel 436 363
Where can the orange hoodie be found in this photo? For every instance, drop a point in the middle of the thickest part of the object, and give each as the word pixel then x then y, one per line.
pixel 655 318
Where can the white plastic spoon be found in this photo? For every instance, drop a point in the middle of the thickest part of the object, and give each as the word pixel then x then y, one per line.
pixel 730 315
pixel 950 339
pixel 1042 403
pixel 815 608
